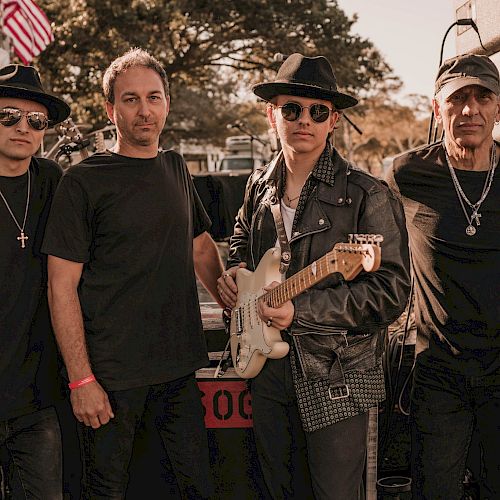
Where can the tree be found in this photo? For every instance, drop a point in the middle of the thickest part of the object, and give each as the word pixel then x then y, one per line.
pixel 389 128
pixel 212 51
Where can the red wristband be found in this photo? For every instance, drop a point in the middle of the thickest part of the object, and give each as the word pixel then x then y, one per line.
pixel 83 381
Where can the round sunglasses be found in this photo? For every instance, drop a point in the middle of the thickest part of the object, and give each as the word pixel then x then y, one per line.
pixel 291 111
pixel 36 120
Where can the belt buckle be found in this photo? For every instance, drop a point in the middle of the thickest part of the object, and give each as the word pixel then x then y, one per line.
pixel 344 392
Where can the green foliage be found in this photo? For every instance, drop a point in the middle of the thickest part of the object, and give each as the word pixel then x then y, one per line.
pixel 212 51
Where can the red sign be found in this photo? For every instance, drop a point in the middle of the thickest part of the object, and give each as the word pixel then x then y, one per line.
pixel 227 403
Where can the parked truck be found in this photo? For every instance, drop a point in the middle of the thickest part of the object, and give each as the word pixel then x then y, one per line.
pixel 243 153
pixel 486 16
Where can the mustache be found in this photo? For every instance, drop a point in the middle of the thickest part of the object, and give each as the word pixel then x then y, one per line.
pixel 144 122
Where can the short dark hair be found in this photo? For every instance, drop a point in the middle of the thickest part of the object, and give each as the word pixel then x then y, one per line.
pixel 132 58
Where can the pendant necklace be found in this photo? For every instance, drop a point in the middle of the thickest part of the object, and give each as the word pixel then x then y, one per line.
pixel 470 230
pixel 291 200
pixel 22 237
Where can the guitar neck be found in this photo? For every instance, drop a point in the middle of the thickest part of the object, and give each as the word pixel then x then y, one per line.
pixel 304 279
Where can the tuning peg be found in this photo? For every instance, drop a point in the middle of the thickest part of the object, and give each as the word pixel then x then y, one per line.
pixel 360 238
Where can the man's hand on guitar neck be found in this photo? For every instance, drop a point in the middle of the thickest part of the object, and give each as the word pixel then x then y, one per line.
pixel 280 317
pixel 226 285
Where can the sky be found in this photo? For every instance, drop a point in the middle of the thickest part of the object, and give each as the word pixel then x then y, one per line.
pixel 409 34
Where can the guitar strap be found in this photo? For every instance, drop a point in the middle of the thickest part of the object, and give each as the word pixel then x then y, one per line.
pixel 286 254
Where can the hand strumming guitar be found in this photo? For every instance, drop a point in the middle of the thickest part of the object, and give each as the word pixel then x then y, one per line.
pixel 226 285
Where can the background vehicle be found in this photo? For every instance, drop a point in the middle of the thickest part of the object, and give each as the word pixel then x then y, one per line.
pixel 486 16
pixel 243 153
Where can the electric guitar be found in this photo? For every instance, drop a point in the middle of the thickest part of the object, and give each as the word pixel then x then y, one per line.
pixel 252 340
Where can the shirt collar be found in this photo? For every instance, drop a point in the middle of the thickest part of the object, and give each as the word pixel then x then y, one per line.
pixel 323 170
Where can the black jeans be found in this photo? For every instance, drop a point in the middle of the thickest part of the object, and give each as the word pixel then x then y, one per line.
pixel 324 464
pixel 175 409
pixel 33 443
pixel 446 408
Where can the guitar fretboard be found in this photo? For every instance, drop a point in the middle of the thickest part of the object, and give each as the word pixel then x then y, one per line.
pixel 303 280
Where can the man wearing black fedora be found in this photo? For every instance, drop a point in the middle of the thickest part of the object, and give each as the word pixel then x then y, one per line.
pixel 310 408
pixel 29 382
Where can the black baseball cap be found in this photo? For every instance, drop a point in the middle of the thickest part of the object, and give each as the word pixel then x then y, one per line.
pixel 467 69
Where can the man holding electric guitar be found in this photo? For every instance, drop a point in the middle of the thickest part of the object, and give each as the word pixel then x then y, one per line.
pixel 312 343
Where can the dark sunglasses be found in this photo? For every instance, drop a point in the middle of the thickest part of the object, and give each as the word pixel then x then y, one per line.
pixel 11 116
pixel 291 111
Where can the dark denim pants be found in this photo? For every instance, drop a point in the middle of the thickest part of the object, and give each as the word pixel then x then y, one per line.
pixel 325 464
pixel 446 408
pixel 175 409
pixel 33 443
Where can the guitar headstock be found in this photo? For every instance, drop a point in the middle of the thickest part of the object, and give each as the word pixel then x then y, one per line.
pixel 69 131
pixel 71 139
pixel 363 250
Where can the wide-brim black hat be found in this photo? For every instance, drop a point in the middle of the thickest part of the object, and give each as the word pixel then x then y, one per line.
pixel 305 77
pixel 23 82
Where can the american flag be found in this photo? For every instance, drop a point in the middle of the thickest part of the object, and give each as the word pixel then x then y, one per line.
pixel 28 27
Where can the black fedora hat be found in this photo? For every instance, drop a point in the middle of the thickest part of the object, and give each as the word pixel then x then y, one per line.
pixel 305 77
pixel 23 82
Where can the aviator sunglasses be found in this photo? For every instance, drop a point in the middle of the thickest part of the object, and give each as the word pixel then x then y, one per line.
pixel 291 111
pixel 11 116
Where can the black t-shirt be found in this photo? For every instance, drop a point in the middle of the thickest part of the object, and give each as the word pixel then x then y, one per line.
pixel 457 277
pixel 29 376
pixel 131 221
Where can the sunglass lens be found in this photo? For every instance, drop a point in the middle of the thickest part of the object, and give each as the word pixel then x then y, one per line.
pixel 9 117
pixel 38 121
pixel 319 112
pixel 291 111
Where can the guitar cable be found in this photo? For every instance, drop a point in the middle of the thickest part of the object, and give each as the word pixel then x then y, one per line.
pixel 392 383
pixel 225 360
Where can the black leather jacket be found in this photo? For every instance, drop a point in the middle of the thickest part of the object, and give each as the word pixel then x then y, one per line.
pixel 355 203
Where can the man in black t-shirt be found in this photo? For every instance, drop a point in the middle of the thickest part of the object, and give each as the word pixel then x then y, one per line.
pixel 126 235
pixel 29 383
pixel 451 194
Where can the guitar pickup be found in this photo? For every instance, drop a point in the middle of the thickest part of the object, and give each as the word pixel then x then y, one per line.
pixel 237 315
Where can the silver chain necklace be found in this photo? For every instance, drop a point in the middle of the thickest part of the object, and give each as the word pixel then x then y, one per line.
pixel 470 230
pixel 22 237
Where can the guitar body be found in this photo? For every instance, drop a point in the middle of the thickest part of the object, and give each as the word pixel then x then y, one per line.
pixel 252 341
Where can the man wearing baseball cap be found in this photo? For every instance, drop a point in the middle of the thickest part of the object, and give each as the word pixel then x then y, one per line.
pixel 451 194
pixel 310 408
pixel 29 429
